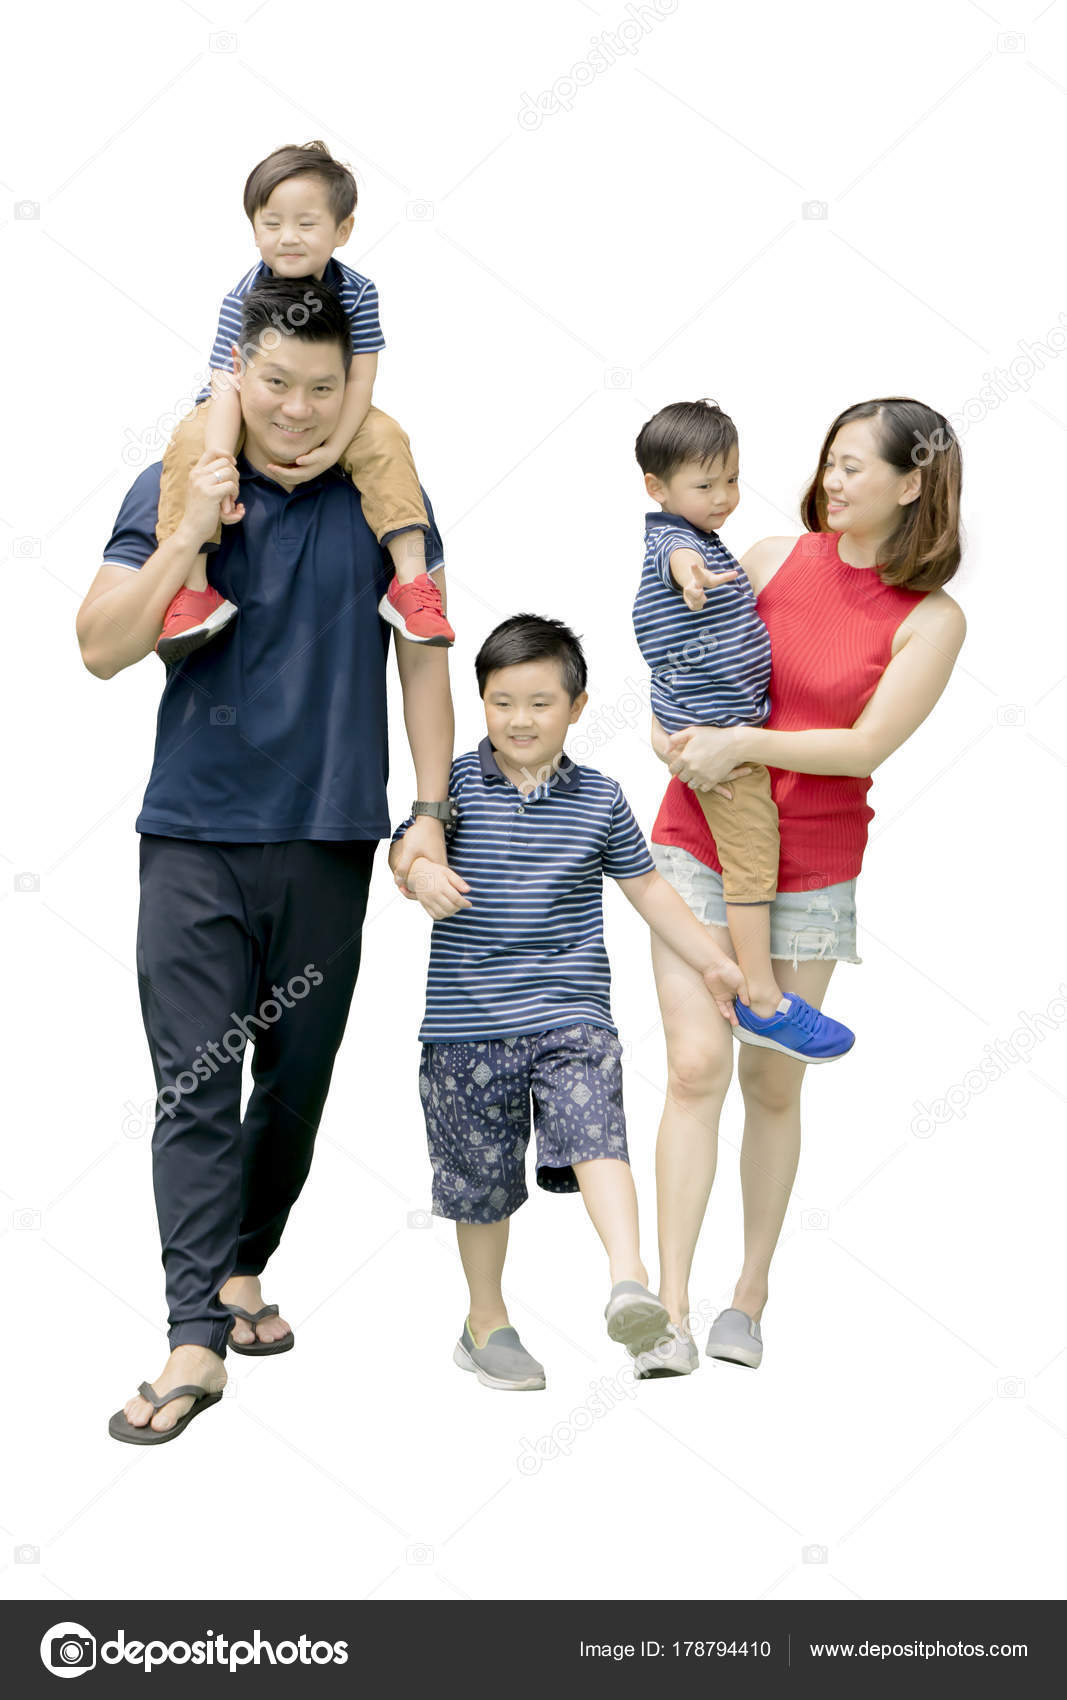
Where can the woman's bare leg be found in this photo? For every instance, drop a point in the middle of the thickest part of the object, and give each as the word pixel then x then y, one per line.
pixel 699 1067
pixel 770 1149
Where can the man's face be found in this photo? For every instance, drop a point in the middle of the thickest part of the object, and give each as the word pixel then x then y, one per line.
pixel 291 399
pixel 295 230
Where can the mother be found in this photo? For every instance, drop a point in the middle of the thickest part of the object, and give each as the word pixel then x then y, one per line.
pixel 863 641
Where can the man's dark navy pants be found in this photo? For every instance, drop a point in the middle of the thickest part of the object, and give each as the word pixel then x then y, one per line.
pixel 239 944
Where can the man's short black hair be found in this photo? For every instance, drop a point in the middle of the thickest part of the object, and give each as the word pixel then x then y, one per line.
pixel 527 637
pixel 279 308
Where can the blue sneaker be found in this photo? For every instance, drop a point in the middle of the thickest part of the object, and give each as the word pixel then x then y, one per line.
pixel 802 1031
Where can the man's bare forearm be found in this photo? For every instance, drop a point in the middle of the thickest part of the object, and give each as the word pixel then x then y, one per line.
pixel 428 716
pixel 120 626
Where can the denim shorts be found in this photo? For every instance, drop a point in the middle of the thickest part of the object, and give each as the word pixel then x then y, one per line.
pixel 806 926
pixel 476 1099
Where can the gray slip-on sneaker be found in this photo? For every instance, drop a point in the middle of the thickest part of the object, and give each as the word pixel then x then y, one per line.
pixel 503 1362
pixel 674 1354
pixel 736 1339
pixel 635 1317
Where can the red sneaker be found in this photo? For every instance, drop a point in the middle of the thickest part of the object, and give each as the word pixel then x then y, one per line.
pixel 193 619
pixel 415 609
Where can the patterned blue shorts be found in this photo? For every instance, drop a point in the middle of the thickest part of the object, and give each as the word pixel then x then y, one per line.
pixel 476 1100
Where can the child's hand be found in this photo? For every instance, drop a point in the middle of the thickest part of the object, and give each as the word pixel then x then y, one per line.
pixel 695 592
pixel 308 465
pixel 438 888
pixel 726 982
pixel 231 510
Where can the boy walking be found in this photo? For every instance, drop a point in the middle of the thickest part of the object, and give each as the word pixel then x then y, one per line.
pixel 518 991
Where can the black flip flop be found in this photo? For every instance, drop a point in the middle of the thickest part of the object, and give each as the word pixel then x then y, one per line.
pixel 261 1348
pixel 120 1428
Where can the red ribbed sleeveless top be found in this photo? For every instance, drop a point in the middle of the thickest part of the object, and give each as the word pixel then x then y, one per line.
pixel 831 628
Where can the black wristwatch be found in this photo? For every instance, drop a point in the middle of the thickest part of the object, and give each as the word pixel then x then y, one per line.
pixel 445 812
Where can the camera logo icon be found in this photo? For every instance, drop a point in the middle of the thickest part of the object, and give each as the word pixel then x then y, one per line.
pixel 1011 1387
pixel 27 882
pixel 223 714
pixel 25 1222
pixel 814 1554
pixel 419 211
pixel 618 378
pixel 223 41
pixel 26 548
pixel 815 1219
pixel 1010 714
pixel 815 209
pixel 27 1554
pixel 1011 42
pixel 27 209
pixel 419 1218
pixel 68 1649
pixel 419 1554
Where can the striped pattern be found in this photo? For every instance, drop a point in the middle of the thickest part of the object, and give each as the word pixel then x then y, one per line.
pixel 529 955
pixel 358 297
pixel 831 627
pixel 709 668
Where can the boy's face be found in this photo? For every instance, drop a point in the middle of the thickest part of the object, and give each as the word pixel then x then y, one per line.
pixel 705 494
pixel 295 230
pixel 291 398
pixel 527 713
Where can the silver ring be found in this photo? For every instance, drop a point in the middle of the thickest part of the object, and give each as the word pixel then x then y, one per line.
pixel 219 477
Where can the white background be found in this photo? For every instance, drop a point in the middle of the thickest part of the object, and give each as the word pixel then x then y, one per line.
pixel 544 290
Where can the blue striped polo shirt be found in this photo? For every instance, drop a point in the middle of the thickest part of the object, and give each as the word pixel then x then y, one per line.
pixel 357 295
pixel 710 668
pixel 529 954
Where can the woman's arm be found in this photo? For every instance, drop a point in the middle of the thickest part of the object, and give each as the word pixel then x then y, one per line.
pixel 905 695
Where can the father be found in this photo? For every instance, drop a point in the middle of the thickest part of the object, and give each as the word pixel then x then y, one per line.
pixel 263 810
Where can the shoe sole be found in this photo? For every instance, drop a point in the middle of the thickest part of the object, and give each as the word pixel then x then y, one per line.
pixel 744 1037
pixel 736 1355
pixel 531 1384
pixel 392 618
pixel 639 1324
pixel 175 649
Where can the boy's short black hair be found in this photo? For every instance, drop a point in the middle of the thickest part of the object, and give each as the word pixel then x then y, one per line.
pixel 686 430
pixel 307 159
pixel 527 637
pixel 282 307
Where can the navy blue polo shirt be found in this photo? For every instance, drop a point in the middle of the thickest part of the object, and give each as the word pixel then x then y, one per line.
pixel 529 954
pixel 277 729
pixel 712 666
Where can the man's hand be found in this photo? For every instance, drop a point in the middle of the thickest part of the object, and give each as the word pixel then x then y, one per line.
pixel 212 480
pixel 437 887
pixel 424 837
pixel 726 982
pixel 308 465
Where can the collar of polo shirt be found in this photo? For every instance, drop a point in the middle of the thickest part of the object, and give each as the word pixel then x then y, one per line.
pixel 662 517
pixel 567 775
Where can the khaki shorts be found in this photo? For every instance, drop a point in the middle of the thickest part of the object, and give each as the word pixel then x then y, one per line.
pixel 745 830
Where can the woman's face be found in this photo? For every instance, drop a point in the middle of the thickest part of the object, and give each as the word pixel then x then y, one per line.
pixel 863 492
